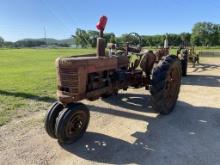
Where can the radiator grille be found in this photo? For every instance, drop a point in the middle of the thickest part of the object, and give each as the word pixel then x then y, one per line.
pixel 68 80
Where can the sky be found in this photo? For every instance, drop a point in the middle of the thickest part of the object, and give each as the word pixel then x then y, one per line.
pixel 28 18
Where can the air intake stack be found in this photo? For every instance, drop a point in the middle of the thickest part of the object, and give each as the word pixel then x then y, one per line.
pixel 166 42
pixel 166 45
pixel 101 41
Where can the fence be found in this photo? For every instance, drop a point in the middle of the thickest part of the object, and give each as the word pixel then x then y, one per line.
pixel 209 53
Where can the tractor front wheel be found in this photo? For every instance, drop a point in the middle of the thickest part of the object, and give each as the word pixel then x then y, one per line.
pixel 50 118
pixel 72 123
pixel 165 87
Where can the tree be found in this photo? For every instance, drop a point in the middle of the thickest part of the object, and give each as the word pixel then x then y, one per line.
pixel 205 33
pixel 29 43
pixel 8 44
pixel 1 41
pixel 93 35
pixel 108 37
pixel 81 38
pixel 124 38
pixel 88 38
pixel 175 39
pixel 185 38
pixel 131 38
pixel 112 39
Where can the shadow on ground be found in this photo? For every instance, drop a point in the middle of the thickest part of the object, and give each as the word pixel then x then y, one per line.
pixel 189 133
pixel 28 96
pixel 204 67
pixel 201 80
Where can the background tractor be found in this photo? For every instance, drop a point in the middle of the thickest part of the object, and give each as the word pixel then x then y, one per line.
pixel 103 74
pixel 187 55
pixel 193 56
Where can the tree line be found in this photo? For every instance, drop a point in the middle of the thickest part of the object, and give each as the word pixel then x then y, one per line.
pixel 203 34
pixel 26 43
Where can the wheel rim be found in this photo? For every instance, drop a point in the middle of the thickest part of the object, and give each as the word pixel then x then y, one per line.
pixel 172 84
pixel 76 124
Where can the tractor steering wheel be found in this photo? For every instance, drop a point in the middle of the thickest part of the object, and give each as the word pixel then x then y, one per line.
pixel 134 39
pixel 132 43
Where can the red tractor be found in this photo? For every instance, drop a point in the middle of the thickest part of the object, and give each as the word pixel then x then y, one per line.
pixel 103 74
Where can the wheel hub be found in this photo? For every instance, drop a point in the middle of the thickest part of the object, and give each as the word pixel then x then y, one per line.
pixel 75 125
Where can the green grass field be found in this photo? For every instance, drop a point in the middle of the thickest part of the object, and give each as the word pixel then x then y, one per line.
pixel 28 74
pixel 28 78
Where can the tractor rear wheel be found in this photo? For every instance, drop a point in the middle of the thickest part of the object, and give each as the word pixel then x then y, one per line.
pixel 165 87
pixel 72 123
pixel 50 118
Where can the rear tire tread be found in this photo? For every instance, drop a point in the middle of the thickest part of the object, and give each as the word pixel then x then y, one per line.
pixel 157 89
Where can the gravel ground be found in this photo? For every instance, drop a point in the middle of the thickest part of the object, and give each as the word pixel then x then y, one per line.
pixel 125 130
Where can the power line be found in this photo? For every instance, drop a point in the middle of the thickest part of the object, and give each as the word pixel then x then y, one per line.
pixel 55 16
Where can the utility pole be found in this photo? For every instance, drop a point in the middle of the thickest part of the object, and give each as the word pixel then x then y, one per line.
pixel 45 35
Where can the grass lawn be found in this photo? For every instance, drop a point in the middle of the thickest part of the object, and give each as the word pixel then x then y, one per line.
pixel 28 79
pixel 28 74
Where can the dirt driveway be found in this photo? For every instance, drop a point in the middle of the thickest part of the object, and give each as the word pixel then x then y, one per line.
pixel 125 130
